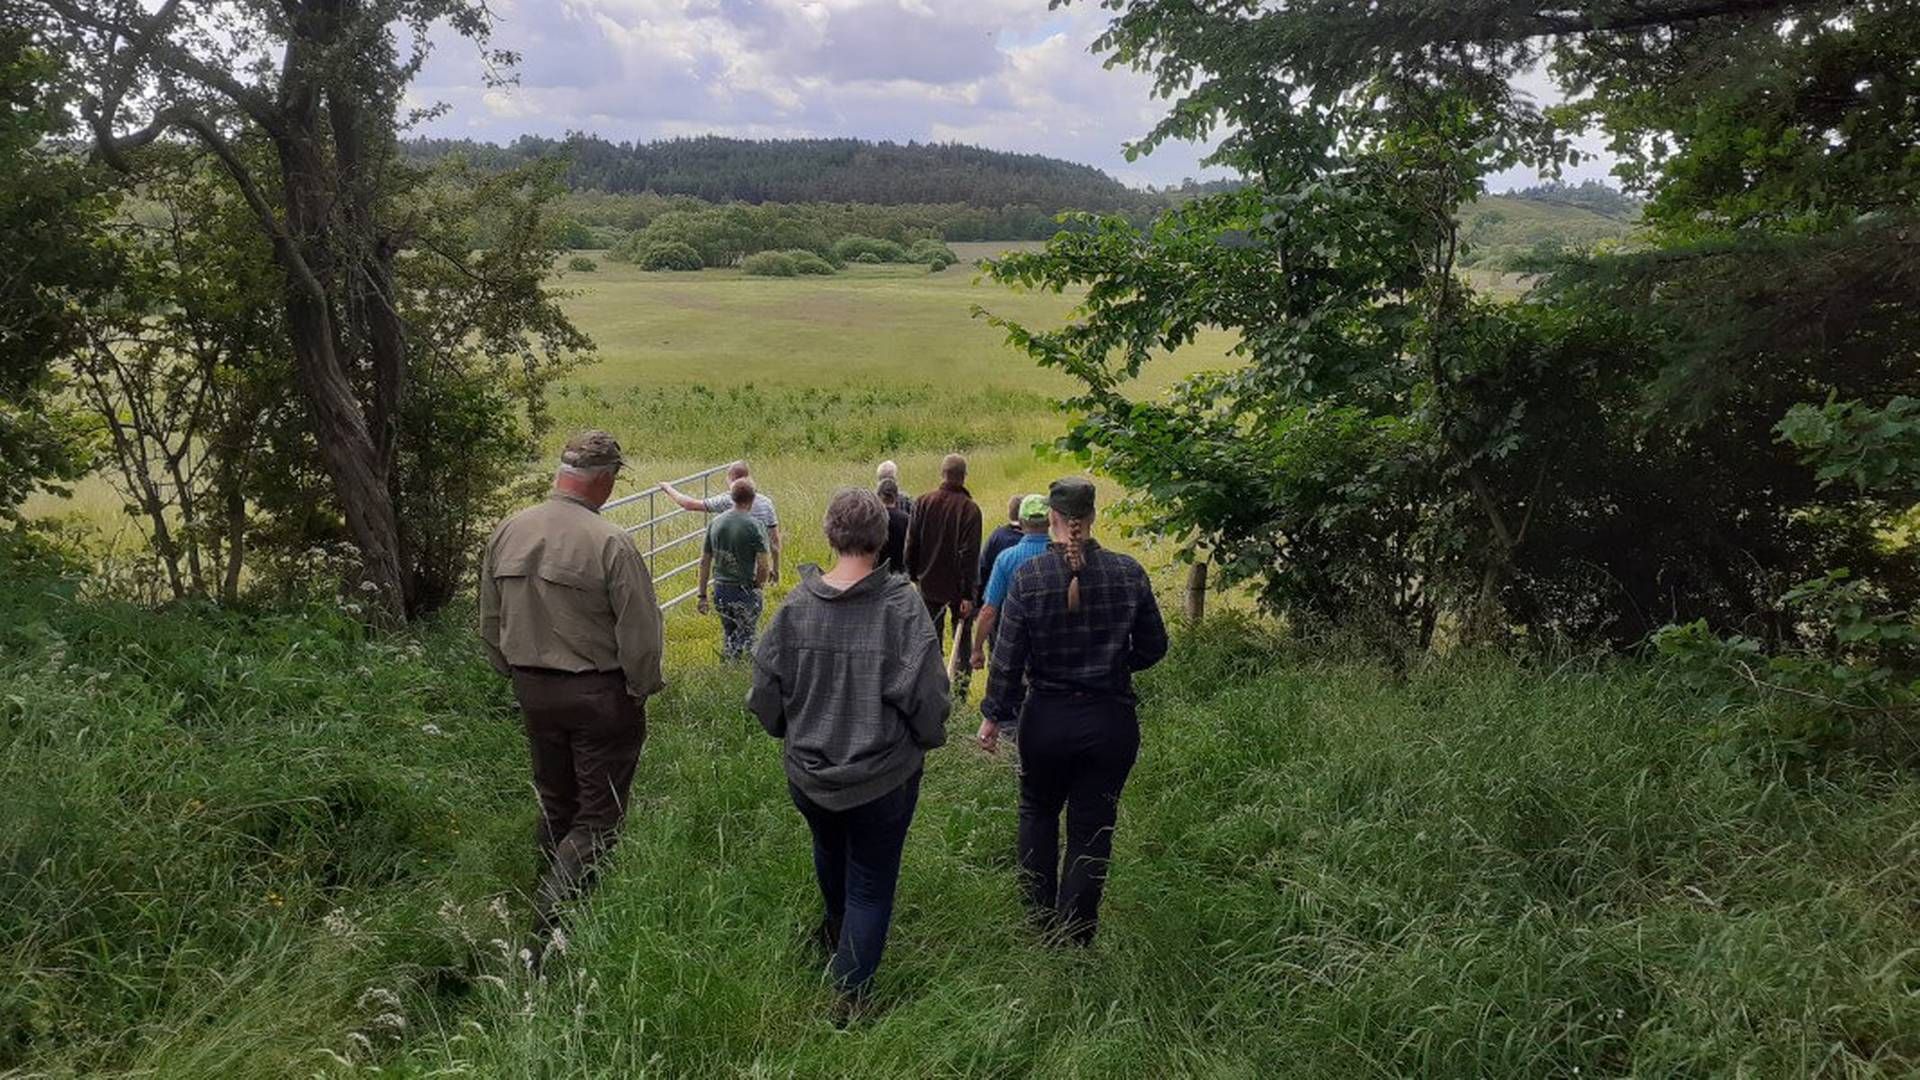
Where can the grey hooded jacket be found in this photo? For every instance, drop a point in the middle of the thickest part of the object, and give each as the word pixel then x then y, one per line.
pixel 853 682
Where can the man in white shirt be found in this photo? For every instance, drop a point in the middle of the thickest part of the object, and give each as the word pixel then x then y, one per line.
pixel 719 504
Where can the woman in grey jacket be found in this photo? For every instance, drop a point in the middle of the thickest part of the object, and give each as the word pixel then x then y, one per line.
pixel 849 676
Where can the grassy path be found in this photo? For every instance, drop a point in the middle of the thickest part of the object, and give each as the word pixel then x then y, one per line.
pixel 264 846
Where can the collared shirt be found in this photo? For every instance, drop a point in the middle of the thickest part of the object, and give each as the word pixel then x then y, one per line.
pixel 762 509
pixel 998 541
pixel 563 588
pixel 1010 561
pixel 1042 648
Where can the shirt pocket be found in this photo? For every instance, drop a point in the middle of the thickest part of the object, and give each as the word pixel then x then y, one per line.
pixel 527 566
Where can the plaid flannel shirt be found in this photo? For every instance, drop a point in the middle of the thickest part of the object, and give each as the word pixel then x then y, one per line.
pixel 1041 648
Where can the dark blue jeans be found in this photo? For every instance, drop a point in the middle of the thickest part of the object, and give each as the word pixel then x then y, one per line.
pixel 856 856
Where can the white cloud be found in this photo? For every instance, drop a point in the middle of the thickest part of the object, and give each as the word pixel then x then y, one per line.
pixel 1007 74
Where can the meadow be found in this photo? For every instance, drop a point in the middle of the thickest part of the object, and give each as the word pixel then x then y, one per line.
pixel 272 843
pixel 816 380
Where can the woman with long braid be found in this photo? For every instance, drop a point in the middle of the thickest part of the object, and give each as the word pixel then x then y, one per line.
pixel 1077 623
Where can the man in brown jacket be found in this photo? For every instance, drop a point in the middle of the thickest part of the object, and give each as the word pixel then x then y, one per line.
pixel 567 611
pixel 943 558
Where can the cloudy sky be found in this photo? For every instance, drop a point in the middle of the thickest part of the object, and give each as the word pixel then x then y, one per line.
pixel 1006 74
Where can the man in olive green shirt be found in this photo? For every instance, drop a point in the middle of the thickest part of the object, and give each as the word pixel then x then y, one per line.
pixel 567 611
pixel 736 559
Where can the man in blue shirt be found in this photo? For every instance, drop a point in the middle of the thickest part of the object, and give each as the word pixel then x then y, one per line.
pixel 1033 541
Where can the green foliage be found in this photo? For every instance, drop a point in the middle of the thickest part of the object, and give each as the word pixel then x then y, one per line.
pixel 806 262
pixel 769 264
pixel 852 248
pixel 52 259
pixel 720 169
pixel 1500 232
pixel 931 251
pixel 1850 674
pixel 660 255
pixel 580 264
pixel 1590 462
pixel 1866 448
pixel 571 234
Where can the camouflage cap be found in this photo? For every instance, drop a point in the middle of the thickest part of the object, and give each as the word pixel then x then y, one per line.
pixel 1072 496
pixel 592 450
pixel 1033 508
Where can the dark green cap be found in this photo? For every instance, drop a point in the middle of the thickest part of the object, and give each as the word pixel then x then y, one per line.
pixel 1072 496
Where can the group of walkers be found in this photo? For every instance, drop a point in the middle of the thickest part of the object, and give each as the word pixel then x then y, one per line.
pixel 852 675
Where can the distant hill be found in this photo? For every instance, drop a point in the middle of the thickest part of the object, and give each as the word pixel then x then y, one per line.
pixel 809 170
pixel 1500 228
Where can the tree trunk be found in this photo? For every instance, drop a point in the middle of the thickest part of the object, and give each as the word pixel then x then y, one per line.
pixel 1196 598
pixel 348 446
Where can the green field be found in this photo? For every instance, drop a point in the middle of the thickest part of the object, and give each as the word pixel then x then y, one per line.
pixel 273 843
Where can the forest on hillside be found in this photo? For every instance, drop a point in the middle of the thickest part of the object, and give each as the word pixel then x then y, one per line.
pixel 719 169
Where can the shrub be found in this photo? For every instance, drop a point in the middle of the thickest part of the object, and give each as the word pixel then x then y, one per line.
pixel 606 237
pixel 582 264
pixel 938 265
pixel 931 251
pixel 807 262
pixel 670 255
pixel 770 264
pixel 856 248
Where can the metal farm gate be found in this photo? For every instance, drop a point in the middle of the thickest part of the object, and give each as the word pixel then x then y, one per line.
pixel 665 525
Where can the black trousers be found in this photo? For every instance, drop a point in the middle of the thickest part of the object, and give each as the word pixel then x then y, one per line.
pixel 1075 754
pixel 585 732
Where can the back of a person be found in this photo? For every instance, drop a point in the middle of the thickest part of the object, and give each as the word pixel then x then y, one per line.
pixel 943 555
pixel 847 650
pixel 555 542
pixel 1086 651
pixel 738 538
pixel 895 553
pixel 1079 621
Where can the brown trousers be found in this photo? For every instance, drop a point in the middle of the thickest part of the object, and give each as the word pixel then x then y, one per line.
pixel 585 732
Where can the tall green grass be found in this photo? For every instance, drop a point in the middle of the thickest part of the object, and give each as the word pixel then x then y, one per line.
pixel 233 847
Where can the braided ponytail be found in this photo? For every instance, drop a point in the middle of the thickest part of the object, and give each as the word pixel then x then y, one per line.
pixel 1076 561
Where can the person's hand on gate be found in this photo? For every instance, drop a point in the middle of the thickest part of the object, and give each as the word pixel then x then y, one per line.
pixel 979 658
pixel 966 609
pixel 701 606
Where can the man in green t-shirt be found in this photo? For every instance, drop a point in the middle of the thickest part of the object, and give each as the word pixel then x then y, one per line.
pixel 736 559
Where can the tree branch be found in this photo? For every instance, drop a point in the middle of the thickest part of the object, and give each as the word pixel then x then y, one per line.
pixel 147 37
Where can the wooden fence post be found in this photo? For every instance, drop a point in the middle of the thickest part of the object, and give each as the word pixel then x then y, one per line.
pixel 1196 592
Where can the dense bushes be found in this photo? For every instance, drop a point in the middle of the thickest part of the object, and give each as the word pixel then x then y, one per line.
pixel 582 264
pixel 661 255
pixel 784 264
pixel 852 248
